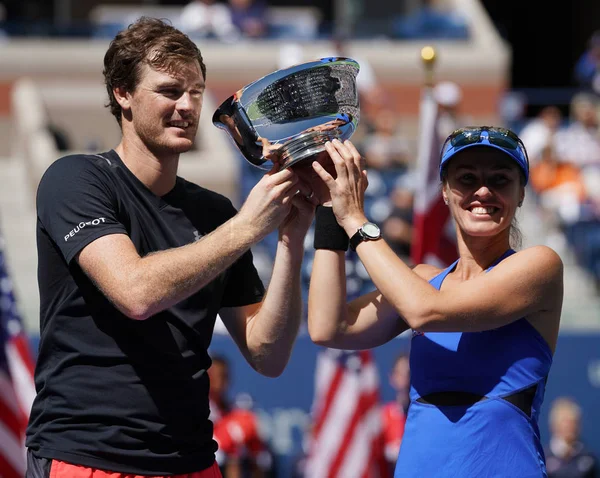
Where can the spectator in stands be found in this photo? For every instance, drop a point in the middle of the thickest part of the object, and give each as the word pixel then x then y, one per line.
pixel 208 19
pixel 583 235
pixel 567 180
pixel 242 451
pixel 431 19
pixel 61 140
pixel 587 68
pixel 539 132
pixel 3 34
pixel 249 17
pixel 559 186
pixel 394 413
pixel 567 196
pixel 384 148
pixel 398 226
pixel 448 96
pixel 372 94
pixel 566 456
pixel 579 142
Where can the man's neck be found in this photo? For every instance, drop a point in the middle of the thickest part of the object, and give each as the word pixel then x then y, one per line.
pixel 158 174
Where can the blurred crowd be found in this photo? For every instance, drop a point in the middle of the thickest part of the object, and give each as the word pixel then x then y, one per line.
pixel 226 21
pixel 233 20
pixel 248 19
pixel 565 175
pixel 564 151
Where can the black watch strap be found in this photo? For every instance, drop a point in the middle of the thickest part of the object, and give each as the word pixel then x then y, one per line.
pixel 356 239
pixel 367 232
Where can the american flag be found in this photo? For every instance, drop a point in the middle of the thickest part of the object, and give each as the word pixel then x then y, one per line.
pixel 346 438
pixel 432 234
pixel 17 389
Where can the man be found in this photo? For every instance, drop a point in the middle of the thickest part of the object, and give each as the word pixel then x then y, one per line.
pixel 587 68
pixel 566 455
pixel 208 19
pixel 242 451
pixel 393 416
pixel 134 265
pixel 448 96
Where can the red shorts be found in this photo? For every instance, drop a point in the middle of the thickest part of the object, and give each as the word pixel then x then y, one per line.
pixel 60 469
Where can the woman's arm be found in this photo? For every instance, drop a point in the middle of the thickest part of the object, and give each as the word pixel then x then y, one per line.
pixel 522 285
pixel 528 283
pixel 364 323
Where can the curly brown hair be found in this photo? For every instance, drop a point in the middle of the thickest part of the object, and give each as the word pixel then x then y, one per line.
pixel 146 41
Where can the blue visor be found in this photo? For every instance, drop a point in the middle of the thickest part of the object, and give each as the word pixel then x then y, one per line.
pixel 490 136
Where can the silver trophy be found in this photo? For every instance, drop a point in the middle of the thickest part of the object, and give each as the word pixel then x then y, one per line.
pixel 289 115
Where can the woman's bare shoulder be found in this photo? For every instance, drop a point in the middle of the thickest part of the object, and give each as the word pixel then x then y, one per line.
pixel 542 258
pixel 426 271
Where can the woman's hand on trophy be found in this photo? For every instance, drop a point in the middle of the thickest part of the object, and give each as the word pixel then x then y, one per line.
pixel 348 183
pixel 310 177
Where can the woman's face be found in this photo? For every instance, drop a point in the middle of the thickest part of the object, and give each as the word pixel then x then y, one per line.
pixel 483 190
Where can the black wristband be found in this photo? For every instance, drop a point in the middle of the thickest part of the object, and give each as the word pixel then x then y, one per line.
pixel 328 233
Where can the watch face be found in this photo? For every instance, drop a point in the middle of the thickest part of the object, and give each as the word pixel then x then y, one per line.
pixel 371 230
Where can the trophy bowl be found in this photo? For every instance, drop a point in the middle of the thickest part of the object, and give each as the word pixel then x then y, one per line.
pixel 288 116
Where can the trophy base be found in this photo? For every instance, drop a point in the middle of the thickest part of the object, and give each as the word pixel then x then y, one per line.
pixel 306 145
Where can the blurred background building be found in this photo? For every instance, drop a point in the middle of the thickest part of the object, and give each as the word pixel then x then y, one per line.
pixel 498 62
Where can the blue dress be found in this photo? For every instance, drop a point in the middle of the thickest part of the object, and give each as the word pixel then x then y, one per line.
pixel 489 438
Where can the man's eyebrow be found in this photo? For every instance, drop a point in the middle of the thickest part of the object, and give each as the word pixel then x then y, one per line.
pixel 168 83
pixel 199 84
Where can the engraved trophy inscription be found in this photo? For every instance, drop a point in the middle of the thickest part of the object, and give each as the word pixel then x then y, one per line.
pixel 288 116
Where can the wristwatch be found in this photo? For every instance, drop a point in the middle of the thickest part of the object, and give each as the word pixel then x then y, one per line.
pixel 367 232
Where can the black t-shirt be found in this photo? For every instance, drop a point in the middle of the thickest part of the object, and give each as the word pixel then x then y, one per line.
pixel 115 393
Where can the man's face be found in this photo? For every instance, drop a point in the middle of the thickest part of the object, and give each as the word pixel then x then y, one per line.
pixel 566 426
pixel 400 376
pixel 165 108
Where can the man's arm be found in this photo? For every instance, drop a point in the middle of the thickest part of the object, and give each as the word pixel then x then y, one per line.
pixel 265 332
pixel 143 286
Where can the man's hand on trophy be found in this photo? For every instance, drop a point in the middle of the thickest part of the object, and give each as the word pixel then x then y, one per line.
pixel 270 201
pixel 294 227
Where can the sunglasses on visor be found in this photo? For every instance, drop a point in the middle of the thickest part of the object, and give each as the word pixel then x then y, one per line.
pixel 501 138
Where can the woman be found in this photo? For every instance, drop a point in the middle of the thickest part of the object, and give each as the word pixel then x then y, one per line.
pixel 484 329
